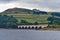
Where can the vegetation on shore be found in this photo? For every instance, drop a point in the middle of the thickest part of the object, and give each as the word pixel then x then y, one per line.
pixel 54 20
pixel 7 21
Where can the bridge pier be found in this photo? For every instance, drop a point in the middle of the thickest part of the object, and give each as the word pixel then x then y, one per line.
pixel 29 27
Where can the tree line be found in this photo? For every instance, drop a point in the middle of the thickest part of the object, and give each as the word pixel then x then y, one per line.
pixel 54 20
pixel 7 21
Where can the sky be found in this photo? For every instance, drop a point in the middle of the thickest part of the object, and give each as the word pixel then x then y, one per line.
pixel 43 5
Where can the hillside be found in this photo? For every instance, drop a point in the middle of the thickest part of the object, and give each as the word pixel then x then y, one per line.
pixel 31 16
pixel 23 11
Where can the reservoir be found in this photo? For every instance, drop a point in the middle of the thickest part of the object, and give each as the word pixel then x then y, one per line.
pixel 18 34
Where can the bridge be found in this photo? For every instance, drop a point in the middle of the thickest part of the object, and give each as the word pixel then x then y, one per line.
pixel 31 26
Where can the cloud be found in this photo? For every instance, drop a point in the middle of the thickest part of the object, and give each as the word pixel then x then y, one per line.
pixel 6 1
pixel 44 5
pixel 6 6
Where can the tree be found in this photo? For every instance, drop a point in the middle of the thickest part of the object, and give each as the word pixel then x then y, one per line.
pixel 54 20
pixel 36 23
pixel 7 22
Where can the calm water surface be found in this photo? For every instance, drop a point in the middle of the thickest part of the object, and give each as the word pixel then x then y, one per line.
pixel 10 34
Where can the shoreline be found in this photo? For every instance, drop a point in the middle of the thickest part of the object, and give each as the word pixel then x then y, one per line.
pixel 51 29
pixel 44 29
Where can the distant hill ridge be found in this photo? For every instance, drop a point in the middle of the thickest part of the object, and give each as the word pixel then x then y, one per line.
pixel 23 11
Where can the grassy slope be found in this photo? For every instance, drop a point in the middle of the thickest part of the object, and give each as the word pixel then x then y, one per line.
pixel 31 17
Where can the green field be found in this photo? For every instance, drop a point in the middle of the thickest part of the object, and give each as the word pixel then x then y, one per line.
pixel 31 17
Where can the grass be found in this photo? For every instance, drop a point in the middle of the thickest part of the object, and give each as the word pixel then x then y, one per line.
pixel 31 17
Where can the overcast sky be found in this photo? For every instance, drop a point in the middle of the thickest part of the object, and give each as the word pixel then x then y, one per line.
pixel 44 5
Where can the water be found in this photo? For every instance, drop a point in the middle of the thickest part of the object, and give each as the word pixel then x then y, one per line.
pixel 11 34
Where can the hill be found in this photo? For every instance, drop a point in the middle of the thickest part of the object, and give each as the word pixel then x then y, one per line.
pixel 23 11
pixel 35 16
pixel 28 15
pixel 31 16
